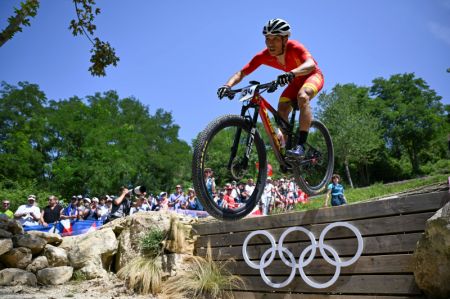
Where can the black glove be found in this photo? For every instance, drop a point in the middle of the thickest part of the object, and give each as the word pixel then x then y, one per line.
pixel 223 91
pixel 286 78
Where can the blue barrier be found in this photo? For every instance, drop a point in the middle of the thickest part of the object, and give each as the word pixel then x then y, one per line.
pixel 67 227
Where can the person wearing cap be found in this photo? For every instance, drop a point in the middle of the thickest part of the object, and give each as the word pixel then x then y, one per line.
pixel 102 209
pixel 71 211
pixel 250 186
pixel 192 202
pixel 90 213
pixel 228 198
pixel 267 197
pixel 177 199
pixel 140 206
pixel 121 205
pixel 29 214
pixel 161 202
pixel 52 212
pixel 5 209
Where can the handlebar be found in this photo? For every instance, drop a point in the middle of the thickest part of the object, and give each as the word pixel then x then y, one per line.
pixel 269 86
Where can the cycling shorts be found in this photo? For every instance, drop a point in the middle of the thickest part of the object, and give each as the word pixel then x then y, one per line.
pixel 313 81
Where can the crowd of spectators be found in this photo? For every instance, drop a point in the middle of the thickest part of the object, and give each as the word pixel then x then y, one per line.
pixel 282 194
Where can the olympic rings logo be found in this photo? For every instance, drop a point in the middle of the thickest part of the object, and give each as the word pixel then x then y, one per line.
pixel 291 262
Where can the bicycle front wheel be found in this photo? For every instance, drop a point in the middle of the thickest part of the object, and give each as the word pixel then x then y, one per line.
pixel 314 172
pixel 228 149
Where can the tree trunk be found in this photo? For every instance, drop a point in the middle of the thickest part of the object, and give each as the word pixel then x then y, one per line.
pixel 347 172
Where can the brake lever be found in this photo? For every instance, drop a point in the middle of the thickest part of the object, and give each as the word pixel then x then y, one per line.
pixel 273 87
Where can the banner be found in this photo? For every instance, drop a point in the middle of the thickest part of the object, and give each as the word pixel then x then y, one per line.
pixel 67 227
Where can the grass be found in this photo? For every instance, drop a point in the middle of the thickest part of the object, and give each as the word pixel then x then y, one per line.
pixel 79 276
pixel 143 274
pixel 205 278
pixel 150 244
pixel 375 191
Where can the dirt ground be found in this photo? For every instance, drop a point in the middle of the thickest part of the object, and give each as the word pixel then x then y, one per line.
pixel 112 288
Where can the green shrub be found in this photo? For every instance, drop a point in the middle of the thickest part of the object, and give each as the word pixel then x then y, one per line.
pixel 151 243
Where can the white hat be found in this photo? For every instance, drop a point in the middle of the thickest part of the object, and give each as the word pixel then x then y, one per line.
pixel 33 197
pixel 87 199
pixel 108 198
pixel 95 199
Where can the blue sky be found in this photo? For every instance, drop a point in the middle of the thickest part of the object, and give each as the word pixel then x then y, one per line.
pixel 175 54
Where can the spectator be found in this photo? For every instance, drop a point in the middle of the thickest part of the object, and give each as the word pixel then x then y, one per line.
pixel 250 187
pixel 192 202
pixel 108 204
pixel 102 209
pixel 6 210
pixel 141 206
pixel 235 192
pixel 243 195
pixel 28 214
pixel 51 212
pixel 82 205
pixel 177 199
pixel 209 181
pixel 220 199
pixel 90 213
pixel 120 205
pixel 267 197
pixel 336 191
pixel 161 202
pixel 228 198
pixel 71 212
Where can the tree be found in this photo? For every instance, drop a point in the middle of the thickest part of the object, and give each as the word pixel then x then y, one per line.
pixel 355 133
pixel 103 54
pixel 411 114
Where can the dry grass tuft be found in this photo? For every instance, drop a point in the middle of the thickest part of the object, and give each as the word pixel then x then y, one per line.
pixel 143 274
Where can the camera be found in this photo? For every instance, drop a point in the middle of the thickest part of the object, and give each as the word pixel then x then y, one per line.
pixel 137 190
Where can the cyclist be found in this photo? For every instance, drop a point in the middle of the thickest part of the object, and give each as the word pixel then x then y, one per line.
pixel 301 73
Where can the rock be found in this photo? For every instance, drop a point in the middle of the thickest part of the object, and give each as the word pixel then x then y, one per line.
pixel 56 256
pixel 34 243
pixel 431 259
pixel 51 238
pixel 17 258
pixel 5 245
pixel 91 253
pixel 37 264
pixel 136 226
pixel 5 234
pixel 12 276
pixel 174 264
pixel 10 225
pixel 54 276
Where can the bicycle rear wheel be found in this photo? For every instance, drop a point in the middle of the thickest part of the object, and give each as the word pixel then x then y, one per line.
pixel 222 147
pixel 314 172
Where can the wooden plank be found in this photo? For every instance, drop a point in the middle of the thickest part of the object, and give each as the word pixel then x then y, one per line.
pixel 397 263
pixel 388 244
pixel 379 208
pixel 346 284
pixel 367 227
pixel 254 295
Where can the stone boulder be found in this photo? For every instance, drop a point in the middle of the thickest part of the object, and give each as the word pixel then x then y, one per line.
pixel 431 259
pixel 10 225
pixel 174 264
pixel 5 245
pixel 17 258
pixel 54 276
pixel 91 253
pixel 5 234
pixel 12 276
pixel 134 227
pixel 56 256
pixel 32 242
pixel 37 264
pixel 51 238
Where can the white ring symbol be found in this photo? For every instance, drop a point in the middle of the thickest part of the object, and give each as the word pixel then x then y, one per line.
pixel 311 250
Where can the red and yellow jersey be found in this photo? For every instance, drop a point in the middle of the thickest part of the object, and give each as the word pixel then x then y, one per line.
pixel 296 54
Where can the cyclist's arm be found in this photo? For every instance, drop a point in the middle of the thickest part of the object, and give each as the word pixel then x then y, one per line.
pixel 305 68
pixel 235 79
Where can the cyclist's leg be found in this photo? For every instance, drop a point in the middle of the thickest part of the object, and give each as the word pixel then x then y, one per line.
pixel 284 108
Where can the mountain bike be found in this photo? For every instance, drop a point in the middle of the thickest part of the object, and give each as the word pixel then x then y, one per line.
pixel 232 147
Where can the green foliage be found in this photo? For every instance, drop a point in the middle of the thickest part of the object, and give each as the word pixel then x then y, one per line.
pixel 439 167
pixel 151 243
pixel 78 276
pixel 411 114
pixel 103 55
pixel 91 147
